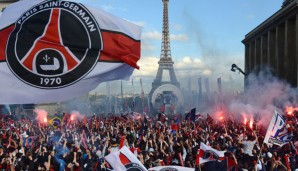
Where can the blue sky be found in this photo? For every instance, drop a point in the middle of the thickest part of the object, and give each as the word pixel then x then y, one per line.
pixel 205 37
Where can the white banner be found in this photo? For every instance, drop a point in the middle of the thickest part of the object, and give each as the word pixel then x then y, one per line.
pixel 277 132
pixel 51 51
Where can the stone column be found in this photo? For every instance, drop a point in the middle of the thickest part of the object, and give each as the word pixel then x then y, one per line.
pixel 264 51
pixel 251 56
pixel 271 49
pixel 258 54
pixel 280 49
pixel 247 59
pixel 290 48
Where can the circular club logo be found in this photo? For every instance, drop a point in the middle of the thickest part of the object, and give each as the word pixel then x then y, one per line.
pixel 169 169
pixel 55 44
pixel 133 167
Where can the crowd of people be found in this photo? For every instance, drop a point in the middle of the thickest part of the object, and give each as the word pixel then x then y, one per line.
pixel 81 144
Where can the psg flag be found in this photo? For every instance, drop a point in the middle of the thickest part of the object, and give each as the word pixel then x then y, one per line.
pixel 124 160
pixel 207 154
pixel 54 50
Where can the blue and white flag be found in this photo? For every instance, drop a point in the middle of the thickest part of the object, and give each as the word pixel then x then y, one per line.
pixel 277 132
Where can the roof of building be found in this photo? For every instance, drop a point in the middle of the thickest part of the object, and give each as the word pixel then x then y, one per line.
pixel 287 6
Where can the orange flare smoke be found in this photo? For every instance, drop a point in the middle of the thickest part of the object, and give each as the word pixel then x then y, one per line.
pixel 290 110
pixel 251 122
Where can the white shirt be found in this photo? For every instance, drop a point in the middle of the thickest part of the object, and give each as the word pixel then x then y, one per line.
pixel 248 147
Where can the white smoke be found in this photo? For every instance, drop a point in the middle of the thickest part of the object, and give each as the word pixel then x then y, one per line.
pixel 77 115
pixel 263 96
pixel 7 107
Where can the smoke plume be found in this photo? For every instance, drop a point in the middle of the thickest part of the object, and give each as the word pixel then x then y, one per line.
pixel 264 94
pixel 41 115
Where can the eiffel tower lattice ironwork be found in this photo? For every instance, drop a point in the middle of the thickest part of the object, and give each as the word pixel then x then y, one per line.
pixel 165 62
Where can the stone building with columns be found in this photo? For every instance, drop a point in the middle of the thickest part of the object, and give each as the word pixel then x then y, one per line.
pixel 274 44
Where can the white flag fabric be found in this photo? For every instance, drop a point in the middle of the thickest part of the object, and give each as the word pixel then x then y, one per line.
pixel 55 50
pixel 123 160
pixel 277 132
pixel 207 154
pixel 171 168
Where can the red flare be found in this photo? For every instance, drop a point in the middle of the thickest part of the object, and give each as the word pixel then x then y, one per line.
pixel 290 110
pixel 251 122
pixel 45 120
pixel 72 118
pixel 245 121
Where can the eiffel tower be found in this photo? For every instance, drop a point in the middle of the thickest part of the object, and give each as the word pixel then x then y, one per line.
pixel 165 63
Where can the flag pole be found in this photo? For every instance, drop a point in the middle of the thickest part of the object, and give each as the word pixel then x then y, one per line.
pixel 199 167
pixel 142 94
pixel 122 99
pixel 243 137
pixel 258 142
pixel 261 150
pixel 133 96
pixel 227 164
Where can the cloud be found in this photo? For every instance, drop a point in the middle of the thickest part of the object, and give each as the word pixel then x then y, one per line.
pixel 152 35
pixel 148 67
pixel 110 8
pixel 189 63
pixel 179 37
pixel 191 66
pixel 155 35
pixel 151 41
pixel 206 72
pixel 147 46
pixel 184 67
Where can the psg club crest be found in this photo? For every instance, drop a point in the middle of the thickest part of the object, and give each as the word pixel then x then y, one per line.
pixel 56 44
pixel 169 169
pixel 133 167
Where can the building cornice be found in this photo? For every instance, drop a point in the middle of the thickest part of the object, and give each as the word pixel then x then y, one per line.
pixel 272 20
